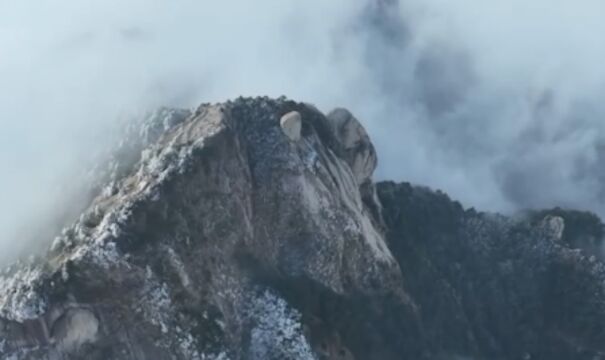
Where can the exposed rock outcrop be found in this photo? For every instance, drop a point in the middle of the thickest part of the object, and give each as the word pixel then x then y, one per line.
pixel 359 151
pixel 252 230
pixel 291 124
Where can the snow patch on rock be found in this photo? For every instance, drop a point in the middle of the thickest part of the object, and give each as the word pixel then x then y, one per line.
pixel 19 296
pixel 155 303
pixel 277 331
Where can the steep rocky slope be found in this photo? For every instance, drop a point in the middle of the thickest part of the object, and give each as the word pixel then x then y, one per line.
pixel 253 230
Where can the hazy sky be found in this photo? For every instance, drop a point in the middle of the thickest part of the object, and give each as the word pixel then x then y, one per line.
pixel 499 103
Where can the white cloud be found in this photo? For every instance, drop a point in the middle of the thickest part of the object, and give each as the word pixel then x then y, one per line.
pixel 496 102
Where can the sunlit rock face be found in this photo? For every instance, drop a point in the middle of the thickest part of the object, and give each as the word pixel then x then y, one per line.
pixel 291 124
pixel 252 229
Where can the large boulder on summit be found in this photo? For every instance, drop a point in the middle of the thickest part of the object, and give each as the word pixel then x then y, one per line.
pixel 291 124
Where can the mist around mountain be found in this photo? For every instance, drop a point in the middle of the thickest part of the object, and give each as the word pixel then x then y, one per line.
pixel 497 104
pixel 460 218
pixel 253 229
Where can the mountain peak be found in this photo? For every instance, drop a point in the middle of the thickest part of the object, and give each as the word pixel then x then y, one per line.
pixel 252 229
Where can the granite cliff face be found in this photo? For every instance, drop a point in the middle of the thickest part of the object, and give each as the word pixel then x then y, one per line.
pixel 253 230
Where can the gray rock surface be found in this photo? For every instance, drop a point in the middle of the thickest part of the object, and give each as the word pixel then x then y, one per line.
pixel 216 236
pixel 359 151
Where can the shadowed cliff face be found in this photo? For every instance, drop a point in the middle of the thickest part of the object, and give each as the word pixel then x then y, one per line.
pixel 252 230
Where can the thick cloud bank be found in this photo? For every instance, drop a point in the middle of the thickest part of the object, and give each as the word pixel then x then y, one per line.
pixel 497 103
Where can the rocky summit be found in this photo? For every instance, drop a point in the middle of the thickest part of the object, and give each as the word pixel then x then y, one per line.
pixel 252 229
